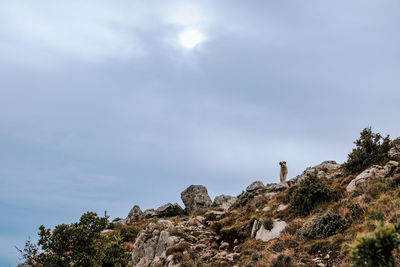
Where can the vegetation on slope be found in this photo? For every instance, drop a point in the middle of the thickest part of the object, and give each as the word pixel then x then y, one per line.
pixel 325 224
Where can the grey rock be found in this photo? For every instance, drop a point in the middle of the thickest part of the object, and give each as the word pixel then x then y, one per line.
pixel 259 232
pixel 151 244
pixel 255 228
pixel 394 152
pixel 195 197
pixel 149 213
pixel 277 186
pixel 233 256
pixel 251 192
pixel 169 210
pixel 224 201
pixel 165 224
pixel 134 215
pixel 334 175
pixel 198 220
pixel 118 224
pixel 162 244
pixel 282 207
pixel 361 178
pixel 375 171
pixel 266 208
pixel 269 195
pixel 322 170
pixel 255 186
pixel 244 198
pixel 143 250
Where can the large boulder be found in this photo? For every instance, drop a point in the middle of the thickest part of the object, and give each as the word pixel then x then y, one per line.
pixel 169 210
pixel 224 201
pixel 259 232
pixel 375 171
pixel 195 197
pixel 134 215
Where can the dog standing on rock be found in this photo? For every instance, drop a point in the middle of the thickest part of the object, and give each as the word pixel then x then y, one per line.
pixel 283 171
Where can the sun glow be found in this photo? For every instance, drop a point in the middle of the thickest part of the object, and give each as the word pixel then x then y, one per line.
pixel 190 38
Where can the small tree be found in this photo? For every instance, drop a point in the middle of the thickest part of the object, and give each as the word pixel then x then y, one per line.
pixel 81 244
pixel 371 148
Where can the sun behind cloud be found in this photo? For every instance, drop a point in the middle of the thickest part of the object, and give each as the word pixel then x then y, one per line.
pixel 191 38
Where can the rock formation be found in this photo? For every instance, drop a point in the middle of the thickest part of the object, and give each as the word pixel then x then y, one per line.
pixel 195 197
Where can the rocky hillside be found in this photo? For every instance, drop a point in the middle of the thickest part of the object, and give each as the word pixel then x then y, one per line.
pixel 311 220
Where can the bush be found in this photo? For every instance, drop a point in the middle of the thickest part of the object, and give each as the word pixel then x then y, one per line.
pixel 128 233
pixel 371 148
pixel 81 244
pixel 267 222
pixel 310 192
pixel 323 226
pixel 377 248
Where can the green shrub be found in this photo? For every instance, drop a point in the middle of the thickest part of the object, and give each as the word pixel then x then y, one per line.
pixel 81 244
pixel 377 248
pixel 128 233
pixel 371 148
pixel 268 222
pixel 310 192
pixel 323 226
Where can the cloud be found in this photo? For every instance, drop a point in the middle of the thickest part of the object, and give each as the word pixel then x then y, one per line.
pixel 90 31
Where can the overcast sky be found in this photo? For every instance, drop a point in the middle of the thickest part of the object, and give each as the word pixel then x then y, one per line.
pixel 102 106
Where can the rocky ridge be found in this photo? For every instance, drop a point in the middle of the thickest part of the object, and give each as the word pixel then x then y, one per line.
pixel 165 242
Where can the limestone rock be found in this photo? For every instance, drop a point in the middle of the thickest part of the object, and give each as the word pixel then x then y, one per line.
pixel 151 244
pixel 322 169
pixel 169 210
pixel 251 192
pixel 375 171
pixel 255 186
pixel 134 215
pixel 149 213
pixel 118 224
pixel 224 201
pixel 282 207
pixel 165 224
pixel 269 195
pixel 259 232
pixel 276 186
pixel 195 197
pixel 266 208
pixel 394 152
pixel 198 220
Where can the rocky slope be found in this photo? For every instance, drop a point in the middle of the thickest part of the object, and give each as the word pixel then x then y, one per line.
pixel 311 220
pixel 259 227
